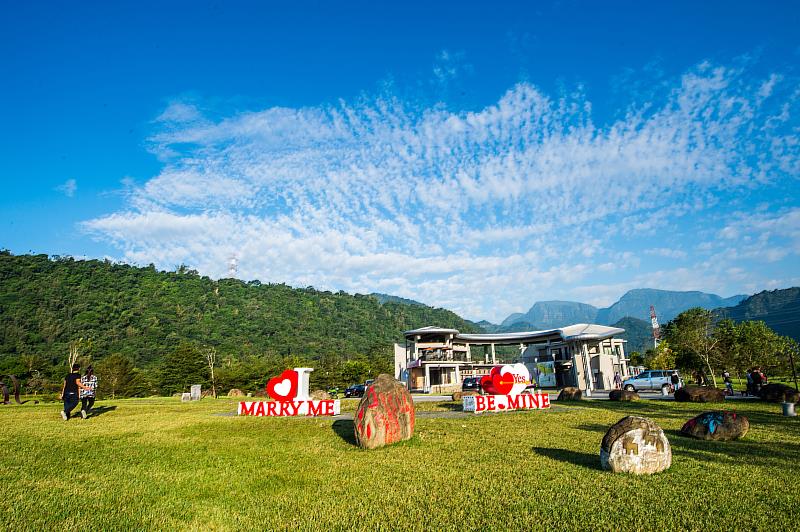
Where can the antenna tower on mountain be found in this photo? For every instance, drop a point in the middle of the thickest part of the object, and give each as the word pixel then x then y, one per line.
pixel 233 266
pixel 656 328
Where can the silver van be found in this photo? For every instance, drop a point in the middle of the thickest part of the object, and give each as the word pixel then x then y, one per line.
pixel 651 379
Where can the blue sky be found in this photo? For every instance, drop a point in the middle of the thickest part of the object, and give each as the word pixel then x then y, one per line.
pixel 475 156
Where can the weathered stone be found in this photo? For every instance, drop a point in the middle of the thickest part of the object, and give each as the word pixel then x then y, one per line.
pixel 235 392
pixel 779 393
pixel 623 395
pixel 699 394
pixel 320 395
pixel 721 426
pixel 570 393
pixel 457 396
pixel 385 414
pixel 195 392
pixel 186 397
pixel 635 445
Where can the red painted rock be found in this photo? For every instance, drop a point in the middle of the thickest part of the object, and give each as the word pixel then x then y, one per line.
pixel 699 394
pixel 635 445
pixel 385 414
pixel 570 393
pixel 719 426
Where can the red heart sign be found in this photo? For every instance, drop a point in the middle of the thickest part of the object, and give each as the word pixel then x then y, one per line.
pixel 502 382
pixel 284 386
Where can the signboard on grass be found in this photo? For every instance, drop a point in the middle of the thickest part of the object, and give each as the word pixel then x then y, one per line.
pixel 290 393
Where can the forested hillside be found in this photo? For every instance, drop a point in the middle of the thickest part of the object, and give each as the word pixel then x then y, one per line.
pixel 779 309
pixel 145 316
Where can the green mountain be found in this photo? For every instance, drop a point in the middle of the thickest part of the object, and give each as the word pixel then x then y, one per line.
pixel 779 309
pixel 638 333
pixel 145 314
pixel 386 298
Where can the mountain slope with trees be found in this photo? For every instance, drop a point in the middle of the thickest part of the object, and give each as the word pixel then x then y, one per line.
pixel 153 319
pixel 779 309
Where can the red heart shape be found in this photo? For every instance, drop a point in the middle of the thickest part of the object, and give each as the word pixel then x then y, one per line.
pixel 502 382
pixel 284 386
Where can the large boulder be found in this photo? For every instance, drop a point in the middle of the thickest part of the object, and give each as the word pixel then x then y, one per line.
pixel 570 393
pixel 779 393
pixel 235 392
pixel 385 414
pixel 721 426
pixel 635 445
pixel 623 395
pixel 320 395
pixel 457 396
pixel 699 394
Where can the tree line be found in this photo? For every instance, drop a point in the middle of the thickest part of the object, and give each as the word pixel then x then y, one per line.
pixel 698 341
pixel 148 332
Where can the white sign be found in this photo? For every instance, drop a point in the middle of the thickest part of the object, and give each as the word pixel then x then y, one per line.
pixel 502 403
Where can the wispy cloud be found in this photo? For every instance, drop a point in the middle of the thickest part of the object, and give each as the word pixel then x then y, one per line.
pixel 68 188
pixel 477 211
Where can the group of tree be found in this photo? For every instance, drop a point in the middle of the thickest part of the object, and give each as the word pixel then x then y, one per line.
pixel 153 332
pixel 698 341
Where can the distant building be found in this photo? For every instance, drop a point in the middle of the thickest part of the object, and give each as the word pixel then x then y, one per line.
pixel 583 355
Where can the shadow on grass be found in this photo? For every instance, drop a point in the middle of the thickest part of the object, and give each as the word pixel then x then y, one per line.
pixel 587 460
pixel 593 427
pixel 100 410
pixel 345 429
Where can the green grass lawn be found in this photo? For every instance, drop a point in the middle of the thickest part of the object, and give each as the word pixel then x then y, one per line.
pixel 163 464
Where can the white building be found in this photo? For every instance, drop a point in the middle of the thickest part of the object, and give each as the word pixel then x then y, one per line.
pixel 582 355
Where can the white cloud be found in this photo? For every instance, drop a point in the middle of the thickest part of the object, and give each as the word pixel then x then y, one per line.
pixel 68 188
pixel 476 211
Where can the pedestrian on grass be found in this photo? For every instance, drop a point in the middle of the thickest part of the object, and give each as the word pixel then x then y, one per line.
pixel 749 376
pixel 88 394
pixel 617 381
pixel 69 390
pixel 726 378
pixel 758 380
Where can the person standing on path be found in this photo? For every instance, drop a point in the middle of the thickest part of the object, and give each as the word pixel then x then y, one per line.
pixel 89 380
pixel 617 381
pixel 726 377
pixel 69 391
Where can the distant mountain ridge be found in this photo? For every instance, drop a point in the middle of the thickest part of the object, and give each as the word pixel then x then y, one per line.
pixel 779 309
pixel 634 304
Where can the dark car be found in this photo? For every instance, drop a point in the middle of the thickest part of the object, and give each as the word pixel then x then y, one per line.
pixel 471 384
pixel 356 390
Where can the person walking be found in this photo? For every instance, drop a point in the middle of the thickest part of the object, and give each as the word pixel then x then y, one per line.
pixel 726 378
pixel 69 390
pixel 749 376
pixel 617 381
pixel 88 394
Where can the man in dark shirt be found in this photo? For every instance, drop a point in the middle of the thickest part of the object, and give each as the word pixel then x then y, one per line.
pixel 69 391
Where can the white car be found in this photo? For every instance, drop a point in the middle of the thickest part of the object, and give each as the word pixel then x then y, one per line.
pixel 651 379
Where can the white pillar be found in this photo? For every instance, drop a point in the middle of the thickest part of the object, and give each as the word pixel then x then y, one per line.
pixel 494 355
pixel 302 383
pixel 458 375
pixel 427 385
pixel 587 362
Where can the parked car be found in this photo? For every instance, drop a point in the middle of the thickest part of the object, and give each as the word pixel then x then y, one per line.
pixel 471 384
pixel 651 379
pixel 356 390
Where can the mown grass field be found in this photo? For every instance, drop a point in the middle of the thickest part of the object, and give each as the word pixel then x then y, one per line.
pixel 161 464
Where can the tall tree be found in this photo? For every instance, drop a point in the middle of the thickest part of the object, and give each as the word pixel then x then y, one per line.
pixel 116 375
pixel 691 336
